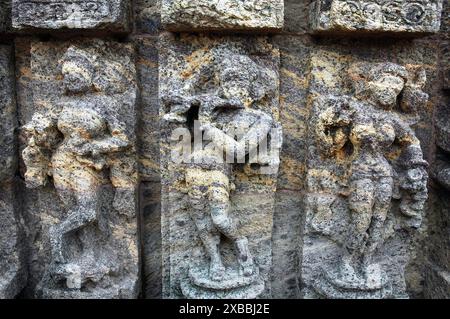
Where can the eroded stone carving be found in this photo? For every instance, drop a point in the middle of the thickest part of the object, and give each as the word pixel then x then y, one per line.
pixel 71 14
pixel 85 141
pixel 418 16
pixel 366 177
pixel 219 209
pixel 223 14
pixel 12 267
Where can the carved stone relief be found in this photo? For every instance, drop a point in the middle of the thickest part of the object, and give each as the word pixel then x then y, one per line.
pixel 217 211
pixel 366 182
pixel 223 14
pixel 71 14
pixel 12 267
pixel 418 16
pixel 79 148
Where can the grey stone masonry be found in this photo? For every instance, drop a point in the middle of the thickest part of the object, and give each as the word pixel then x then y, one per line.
pixel 112 15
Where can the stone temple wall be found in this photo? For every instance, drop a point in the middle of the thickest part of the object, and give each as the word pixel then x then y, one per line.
pixel 335 114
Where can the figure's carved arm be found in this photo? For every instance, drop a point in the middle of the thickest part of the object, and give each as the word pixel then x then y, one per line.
pixel 414 180
pixel 208 103
pixel 248 143
pixel 407 139
pixel 331 126
pixel 106 145
pixel 42 137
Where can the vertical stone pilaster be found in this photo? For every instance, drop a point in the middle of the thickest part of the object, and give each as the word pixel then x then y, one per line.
pixel 12 245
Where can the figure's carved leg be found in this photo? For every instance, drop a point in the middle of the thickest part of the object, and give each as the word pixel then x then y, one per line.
pixel 361 202
pixel 86 212
pixel 383 198
pixel 208 233
pixel 220 208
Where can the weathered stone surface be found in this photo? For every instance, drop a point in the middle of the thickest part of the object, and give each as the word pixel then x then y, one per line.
pixel 222 14
pixel 221 84
pixel 401 16
pixel 149 167
pixel 446 65
pixel 5 15
pixel 437 265
pixel 12 267
pixel 442 165
pixel 71 14
pixel 366 177
pixel 80 131
pixel 437 283
pixel 147 16
pixel 417 259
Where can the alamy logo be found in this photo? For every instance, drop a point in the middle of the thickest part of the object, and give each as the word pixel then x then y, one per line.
pixel 208 145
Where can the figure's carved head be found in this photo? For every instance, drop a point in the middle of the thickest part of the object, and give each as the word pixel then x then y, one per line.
pixel 380 83
pixel 243 79
pixel 78 70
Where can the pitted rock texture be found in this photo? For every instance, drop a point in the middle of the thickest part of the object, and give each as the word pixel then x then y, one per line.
pixel 217 218
pixel 12 245
pixel 366 180
pixel 184 15
pixel 112 15
pixel 83 137
pixel 296 249
pixel 5 15
pixel 421 16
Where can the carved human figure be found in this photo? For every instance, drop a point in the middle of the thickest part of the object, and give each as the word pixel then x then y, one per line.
pixel 368 129
pixel 230 119
pixel 74 146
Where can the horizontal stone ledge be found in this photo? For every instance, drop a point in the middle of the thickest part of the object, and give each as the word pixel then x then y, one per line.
pixel 207 15
pixel 63 15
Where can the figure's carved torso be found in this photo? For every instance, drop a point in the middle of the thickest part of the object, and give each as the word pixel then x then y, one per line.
pixel 372 134
pixel 70 169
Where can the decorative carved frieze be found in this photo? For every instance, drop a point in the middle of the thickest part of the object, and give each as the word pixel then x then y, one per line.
pixel 220 154
pixel 71 14
pixel 188 15
pixel 398 16
pixel 79 149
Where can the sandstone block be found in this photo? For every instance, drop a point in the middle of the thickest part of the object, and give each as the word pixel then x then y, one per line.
pixel 183 15
pixel 376 16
